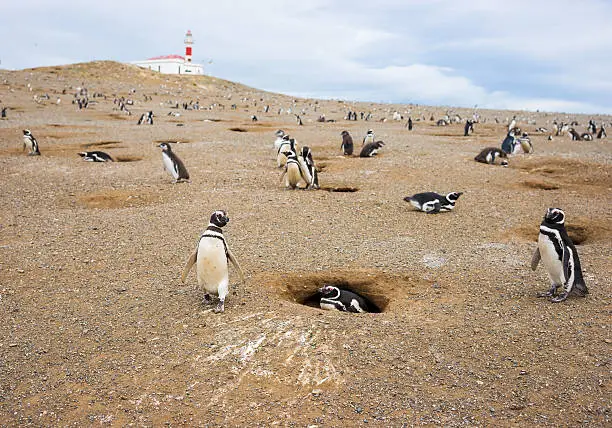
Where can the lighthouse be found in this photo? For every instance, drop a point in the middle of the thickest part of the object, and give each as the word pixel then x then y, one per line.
pixel 188 43
pixel 174 64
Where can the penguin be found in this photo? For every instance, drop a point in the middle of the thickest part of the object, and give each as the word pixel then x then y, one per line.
pixel 409 124
pixel 279 139
pixel 347 143
pixel 253 118
pixel 602 132
pixel 592 128
pixel 575 136
pixel 211 256
pixel 308 168
pixel 433 203
pixel 489 154
pixel 525 143
pixel 3 112
pixel 468 128
pixel 542 130
pixel 509 143
pixel 96 156
pixel 371 149
pixel 334 298
pixel 293 171
pixel 369 137
pixel 512 124
pixel 142 119
pixel 173 164
pixel 284 145
pixel 149 118
pixel 30 143
pixel 559 257
pixel 586 137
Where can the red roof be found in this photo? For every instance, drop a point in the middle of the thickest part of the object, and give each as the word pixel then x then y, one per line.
pixel 166 57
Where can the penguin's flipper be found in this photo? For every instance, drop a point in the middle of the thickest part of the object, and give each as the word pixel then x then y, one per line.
pixel 236 265
pixel 568 263
pixel 304 171
pixel 190 262
pixel 535 259
pixel 436 207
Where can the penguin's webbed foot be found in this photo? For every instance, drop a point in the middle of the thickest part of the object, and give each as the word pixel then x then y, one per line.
pixel 551 292
pixel 561 297
pixel 220 307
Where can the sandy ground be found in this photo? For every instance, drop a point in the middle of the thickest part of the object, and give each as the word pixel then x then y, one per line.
pixel 98 329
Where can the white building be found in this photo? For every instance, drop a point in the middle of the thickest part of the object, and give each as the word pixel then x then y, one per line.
pixel 174 64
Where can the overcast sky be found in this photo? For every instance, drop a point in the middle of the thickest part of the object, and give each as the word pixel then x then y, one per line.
pixel 553 55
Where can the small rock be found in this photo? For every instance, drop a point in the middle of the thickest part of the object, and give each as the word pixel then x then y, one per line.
pixel 316 392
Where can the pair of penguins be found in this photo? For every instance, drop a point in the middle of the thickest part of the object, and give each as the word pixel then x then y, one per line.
pixel 146 118
pixel 297 167
pixel 369 147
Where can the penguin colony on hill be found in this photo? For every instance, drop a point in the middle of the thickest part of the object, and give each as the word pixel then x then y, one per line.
pixel 559 257
pixel 211 258
pixel 173 164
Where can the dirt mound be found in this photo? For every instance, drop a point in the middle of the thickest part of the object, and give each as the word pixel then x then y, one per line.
pixel 539 184
pixel 566 171
pixel 108 199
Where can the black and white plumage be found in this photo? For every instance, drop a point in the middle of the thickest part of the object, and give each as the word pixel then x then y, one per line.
pixel 490 154
pixel 586 136
pixel 308 168
pixel 512 124
pixel 369 137
pixel 30 143
pixel 433 203
pixel 96 156
pixel 286 144
pixel 575 135
pixel 334 298
pixel 347 144
pixel 525 143
pixel 592 128
pixel 293 172
pixel 602 132
pixel 211 257
pixel 509 143
pixel 146 118
pixel 3 112
pixel 371 149
pixel 173 164
pixel 559 257
pixel 468 128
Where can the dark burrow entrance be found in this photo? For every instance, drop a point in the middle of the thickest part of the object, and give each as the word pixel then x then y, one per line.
pixel 342 189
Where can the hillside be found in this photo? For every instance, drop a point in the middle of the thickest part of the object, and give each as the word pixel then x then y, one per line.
pixel 98 328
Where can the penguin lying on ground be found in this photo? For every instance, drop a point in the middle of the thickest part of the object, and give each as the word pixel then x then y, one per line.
pixel 334 298
pixel 559 257
pixel 30 143
pixel 347 144
pixel 96 156
pixel 433 203
pixel 371 149
pixel 173 164
pixel 211 256
pixel 489 154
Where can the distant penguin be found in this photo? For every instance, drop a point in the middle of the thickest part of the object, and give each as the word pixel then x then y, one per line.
pixel 284 145
pixel 592 128
pixel 211 258
pixel 96 156
pixel 293 173
pixel 586 137
pixel 369 137
pixel 371 149
pixel 525 143
pixel 512 124
pixel 142 119
pixel 409 124
pixel 3 112
pixel 30 143
pixel 575 136
pixel 149 118
pixel 559 257
pixel 279 139
pixel 347 143
pixel 509 143
pixel 602 132
pixel 337 299
pixel 309 170
pixel 468 128
pixel 254 118
pixel 490 154
pixel 542 130
pixel 173 164
pixel 433 203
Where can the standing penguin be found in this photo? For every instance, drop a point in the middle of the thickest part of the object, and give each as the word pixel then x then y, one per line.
pixel 489 154
pixel 433 203
pixel 173 164
pixel 468 128
pixel 279 139
pixel 509 143
pixel 369 137
pixel 347 143
pixel 512 124
pixel 592 128
pixel 559 257
pixel 308 168
pixel 371 149
pixel 602 132
pixel 292 171
pixel 409 124
pixel 3 112
pixel 30 143
pixel 211 256
pixel 525 143
pixel 334 298
pixel 284 145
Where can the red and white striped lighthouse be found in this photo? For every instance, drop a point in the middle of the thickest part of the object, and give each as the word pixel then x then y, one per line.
pixel 188 43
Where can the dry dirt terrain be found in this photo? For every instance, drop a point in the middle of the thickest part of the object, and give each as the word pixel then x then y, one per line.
pixel 97 328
